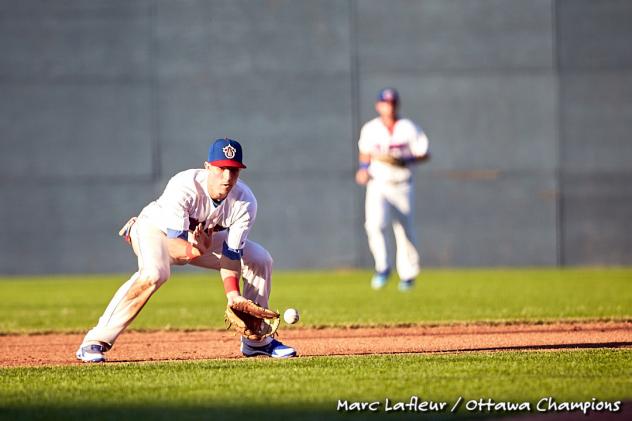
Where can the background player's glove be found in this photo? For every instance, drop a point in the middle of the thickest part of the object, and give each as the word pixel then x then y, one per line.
pixel 251 321
pixel 398 162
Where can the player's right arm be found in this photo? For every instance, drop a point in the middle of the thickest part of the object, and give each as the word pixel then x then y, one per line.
pixel 175 204
pixel 362 175
pixel 365 146
pixel 182 251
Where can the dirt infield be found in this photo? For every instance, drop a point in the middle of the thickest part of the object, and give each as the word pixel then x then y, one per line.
pixel 58 349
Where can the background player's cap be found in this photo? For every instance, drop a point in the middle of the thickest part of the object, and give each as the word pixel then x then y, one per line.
pixel 388 95
pixel 225 153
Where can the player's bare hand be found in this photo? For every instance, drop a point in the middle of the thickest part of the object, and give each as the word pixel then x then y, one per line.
pixel 362 176
pixel 233 297
pixel 202 239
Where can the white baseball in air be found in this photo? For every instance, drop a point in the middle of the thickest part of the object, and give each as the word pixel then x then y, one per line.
pixel 290 316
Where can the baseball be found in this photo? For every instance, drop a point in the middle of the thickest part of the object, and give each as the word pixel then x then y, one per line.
pixel 290 316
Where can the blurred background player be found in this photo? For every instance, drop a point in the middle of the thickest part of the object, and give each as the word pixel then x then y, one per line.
pixel 389 146
pixel 202 218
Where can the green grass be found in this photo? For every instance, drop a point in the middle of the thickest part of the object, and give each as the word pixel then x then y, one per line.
pixel 330 298
pixel 308 388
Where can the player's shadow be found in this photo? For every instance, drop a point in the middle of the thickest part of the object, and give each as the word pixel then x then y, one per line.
pixel 579 345
pixel 210 413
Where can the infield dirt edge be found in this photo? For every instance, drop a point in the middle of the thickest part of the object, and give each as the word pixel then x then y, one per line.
pixel 141 346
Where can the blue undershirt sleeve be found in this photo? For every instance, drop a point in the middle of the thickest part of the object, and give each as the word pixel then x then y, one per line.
pixel 177 234
pixel 232 254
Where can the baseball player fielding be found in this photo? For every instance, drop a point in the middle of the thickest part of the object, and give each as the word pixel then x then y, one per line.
pixel 202 218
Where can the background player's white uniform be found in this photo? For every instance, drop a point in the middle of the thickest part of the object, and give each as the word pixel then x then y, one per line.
pixel 185 203
pixel 390 193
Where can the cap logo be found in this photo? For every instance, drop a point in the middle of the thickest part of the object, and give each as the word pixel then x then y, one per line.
pixel 229 151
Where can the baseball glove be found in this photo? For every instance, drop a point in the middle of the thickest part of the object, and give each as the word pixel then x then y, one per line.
pixel 251 321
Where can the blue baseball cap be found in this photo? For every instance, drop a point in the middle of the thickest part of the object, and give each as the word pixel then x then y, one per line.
pixel 226 153
pixel 388 95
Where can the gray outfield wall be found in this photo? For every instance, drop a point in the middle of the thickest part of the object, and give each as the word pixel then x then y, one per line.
pixel 528 105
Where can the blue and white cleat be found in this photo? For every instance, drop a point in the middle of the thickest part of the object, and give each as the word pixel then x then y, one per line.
pixel 91 353
pixel 379 280
pixel 274 349
pixel 406 285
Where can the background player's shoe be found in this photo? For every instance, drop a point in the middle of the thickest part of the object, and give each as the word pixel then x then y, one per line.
pixel 274 349
pixel 406 284
pixel 379 280
pixel 91 353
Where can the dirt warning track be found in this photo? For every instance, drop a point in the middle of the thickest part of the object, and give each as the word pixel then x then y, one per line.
pixel 59 349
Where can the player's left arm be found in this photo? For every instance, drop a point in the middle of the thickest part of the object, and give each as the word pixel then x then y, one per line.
pixel 419 159
pixel 232 251
pixel 403 162
pixel 420 148
pixel 230 272
pixel 419 151
pixel 230 266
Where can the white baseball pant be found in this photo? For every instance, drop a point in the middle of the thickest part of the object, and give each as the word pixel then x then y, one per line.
pixel 390 204
pixel 154 268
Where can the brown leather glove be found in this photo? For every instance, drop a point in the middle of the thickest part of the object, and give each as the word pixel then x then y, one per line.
pixel 251 321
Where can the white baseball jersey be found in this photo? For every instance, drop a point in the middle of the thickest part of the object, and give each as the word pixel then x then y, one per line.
pixel 406 141
pixel 186 203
